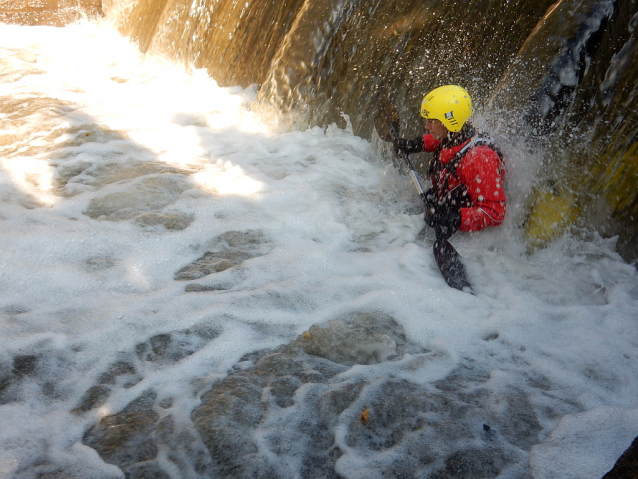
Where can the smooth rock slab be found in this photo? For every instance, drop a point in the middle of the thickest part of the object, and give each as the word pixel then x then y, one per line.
pixel 226 251
pixel 322 404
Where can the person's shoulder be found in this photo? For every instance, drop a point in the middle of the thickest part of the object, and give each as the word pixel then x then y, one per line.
pixel 483 152
pixel 480 160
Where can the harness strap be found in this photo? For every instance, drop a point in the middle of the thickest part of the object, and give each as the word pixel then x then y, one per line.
pixel 453 164
pixel 475 141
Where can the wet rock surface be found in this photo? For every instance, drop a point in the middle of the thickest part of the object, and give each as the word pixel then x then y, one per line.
pixel 175 221
pixel 308 407
pixel 20 371
pixel 124 438
pixel 149 194
pixel 226 251
pixel 158 351
pixel 48 12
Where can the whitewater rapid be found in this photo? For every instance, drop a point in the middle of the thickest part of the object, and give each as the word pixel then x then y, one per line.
pixel 119 170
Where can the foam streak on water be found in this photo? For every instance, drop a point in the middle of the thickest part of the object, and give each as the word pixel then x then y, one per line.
pixel 118 173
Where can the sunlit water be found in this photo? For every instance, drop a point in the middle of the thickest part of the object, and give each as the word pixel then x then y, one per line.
pixel 118 171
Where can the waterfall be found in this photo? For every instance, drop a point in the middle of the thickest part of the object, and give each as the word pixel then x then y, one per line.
pixel 561 76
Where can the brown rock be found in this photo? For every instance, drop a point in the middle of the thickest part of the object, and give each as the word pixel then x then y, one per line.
pixel 126 438
pixel 48 12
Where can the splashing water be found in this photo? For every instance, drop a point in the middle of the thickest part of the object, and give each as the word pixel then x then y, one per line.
pixel 141 203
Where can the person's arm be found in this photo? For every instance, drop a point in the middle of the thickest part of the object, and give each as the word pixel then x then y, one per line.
pixel 415 145
pixel 481 173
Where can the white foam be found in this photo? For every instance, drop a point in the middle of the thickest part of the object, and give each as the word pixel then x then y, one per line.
pixel 585 445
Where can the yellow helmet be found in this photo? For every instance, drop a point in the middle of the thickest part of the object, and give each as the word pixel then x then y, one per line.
pixel 450 104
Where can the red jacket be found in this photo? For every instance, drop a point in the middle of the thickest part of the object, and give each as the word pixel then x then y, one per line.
pixel 481 172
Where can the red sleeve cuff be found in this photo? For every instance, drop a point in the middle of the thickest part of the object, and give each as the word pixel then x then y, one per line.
pixel 429 143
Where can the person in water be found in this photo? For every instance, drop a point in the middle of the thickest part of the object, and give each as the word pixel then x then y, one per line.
pixel 466 168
